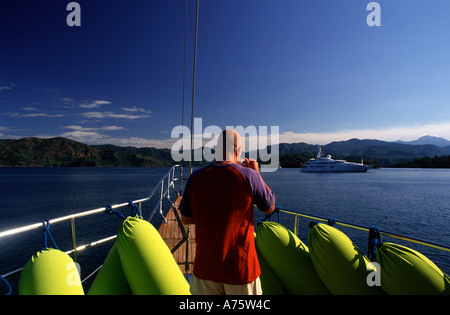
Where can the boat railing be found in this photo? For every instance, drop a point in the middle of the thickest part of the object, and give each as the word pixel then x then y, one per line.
pixel 332 221
pixel 162 191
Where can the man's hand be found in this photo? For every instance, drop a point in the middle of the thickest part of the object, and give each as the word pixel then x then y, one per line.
pixel 253 164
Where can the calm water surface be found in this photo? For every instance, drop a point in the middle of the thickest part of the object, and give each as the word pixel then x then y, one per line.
pixel 413 202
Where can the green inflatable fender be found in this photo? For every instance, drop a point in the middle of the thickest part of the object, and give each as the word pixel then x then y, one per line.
pixel 50 272
pixel 406 271
pixel 289 259
pixel 339 263
pixel 270 285
pixel 147 262
pixel 110 280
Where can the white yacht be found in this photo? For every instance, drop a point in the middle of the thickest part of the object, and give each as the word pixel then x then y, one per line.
pixel 327 164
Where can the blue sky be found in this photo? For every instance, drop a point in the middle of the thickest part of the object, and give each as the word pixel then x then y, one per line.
pixel 315 69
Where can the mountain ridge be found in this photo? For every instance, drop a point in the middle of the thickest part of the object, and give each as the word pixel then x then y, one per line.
pixel 438 141
pixel 61 151
pixel 385 153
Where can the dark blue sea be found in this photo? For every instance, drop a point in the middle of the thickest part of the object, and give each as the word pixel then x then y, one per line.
pixel 412 202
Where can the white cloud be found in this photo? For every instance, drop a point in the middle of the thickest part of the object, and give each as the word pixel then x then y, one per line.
pixel 6 132
pixel 5 88
pixel 405 133
pixel 5 128
pixel 88 137
pixel 136 110
pixel 104 128
pixel 387 134
pixel 41 115
pixel 29 108
pixel 10 114
pixel 67 100
pixel 94 104
pixel 101 115
pixel 97 136
pixel 13 115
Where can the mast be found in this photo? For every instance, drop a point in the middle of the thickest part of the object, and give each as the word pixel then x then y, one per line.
pixel 193 89
pixel 184 84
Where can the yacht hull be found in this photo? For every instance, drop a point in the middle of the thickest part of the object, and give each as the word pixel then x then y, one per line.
pixel 327 164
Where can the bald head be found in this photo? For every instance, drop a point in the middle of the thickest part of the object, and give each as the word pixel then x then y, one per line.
pixel 229 146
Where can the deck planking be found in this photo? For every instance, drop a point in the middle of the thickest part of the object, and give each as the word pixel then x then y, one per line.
pixel 173 236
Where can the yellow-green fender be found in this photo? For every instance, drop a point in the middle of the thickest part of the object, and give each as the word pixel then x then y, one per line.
pixel 147 262
pixel 340 264
pixel 270 285
pixel 288 258
pixel 110 280
pixel 406 271
pixel 50 272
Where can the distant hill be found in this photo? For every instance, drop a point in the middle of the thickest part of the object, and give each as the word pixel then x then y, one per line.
pixel 376 152
pixel 65 152
pixel 438 141
pixel 383 152
pixel 139 156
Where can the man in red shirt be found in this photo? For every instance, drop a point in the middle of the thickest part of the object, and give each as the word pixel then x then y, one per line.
pixel 219 200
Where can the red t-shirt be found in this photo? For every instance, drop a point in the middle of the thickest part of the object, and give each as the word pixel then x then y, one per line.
pixel 220 199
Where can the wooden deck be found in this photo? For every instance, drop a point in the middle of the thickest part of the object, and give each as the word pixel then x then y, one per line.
pixel 181 241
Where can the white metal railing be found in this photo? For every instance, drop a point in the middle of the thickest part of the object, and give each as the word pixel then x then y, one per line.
pixel 170 180
pixel 165 184
pixel 411 239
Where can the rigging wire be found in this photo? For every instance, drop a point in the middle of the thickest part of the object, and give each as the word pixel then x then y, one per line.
pixel 184 62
